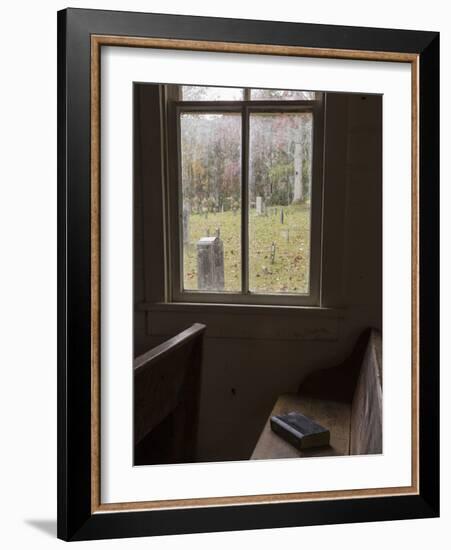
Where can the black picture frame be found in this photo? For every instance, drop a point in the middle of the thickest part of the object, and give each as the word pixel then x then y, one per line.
pixel 76 520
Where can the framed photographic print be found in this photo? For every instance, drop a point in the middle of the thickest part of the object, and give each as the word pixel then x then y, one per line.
pixel 248 274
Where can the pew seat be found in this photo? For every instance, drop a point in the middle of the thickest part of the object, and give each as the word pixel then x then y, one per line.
pixel 346 399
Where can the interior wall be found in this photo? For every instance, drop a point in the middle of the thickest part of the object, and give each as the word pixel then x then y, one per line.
pixel 245 370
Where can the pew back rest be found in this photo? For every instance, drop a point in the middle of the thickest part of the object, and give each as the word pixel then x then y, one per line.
pixel 366 408
pixel 356 381
pixel 167 379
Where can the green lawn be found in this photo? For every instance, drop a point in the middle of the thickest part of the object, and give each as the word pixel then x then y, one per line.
pixel 288 272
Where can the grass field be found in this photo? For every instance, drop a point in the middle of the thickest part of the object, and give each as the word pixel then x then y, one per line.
pixel 282 268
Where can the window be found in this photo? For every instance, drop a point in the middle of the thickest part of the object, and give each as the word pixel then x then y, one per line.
pixel 245 195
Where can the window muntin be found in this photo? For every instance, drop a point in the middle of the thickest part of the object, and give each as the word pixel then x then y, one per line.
pixel 301 228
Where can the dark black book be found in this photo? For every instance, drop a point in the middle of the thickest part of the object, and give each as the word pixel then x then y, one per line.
pixel 300 430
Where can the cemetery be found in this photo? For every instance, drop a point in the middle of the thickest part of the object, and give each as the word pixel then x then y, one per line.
pixel 278 252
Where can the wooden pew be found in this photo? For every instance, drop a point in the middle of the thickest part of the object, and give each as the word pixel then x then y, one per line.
pixel 346 399
pixel 166 385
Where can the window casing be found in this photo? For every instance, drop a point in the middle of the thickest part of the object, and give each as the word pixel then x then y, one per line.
pixel 245 109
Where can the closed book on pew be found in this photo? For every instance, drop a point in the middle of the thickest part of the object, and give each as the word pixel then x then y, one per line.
pixel 300 431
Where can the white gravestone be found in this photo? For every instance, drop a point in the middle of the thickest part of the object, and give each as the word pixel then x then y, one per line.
pixel 298 189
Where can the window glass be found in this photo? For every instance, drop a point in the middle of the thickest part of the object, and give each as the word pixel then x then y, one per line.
pixel 211 93
pixel 211 201
pixel 280 176
pixel 285 95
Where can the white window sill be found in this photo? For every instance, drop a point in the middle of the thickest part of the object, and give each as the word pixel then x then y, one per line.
pixel 245 321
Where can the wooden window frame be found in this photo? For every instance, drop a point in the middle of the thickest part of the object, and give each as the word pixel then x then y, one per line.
pixel 174 227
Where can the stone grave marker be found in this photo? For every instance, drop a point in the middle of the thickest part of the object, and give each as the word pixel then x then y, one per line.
pixel 210 264
pixel 185 226
pixel 259 206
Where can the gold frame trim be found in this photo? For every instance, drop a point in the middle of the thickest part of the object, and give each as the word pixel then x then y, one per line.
pixel 97 41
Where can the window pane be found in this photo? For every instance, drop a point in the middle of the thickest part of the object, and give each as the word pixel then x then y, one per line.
pixel 280 176
pixel 211 93
pixel 285 95
pixel 211 201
